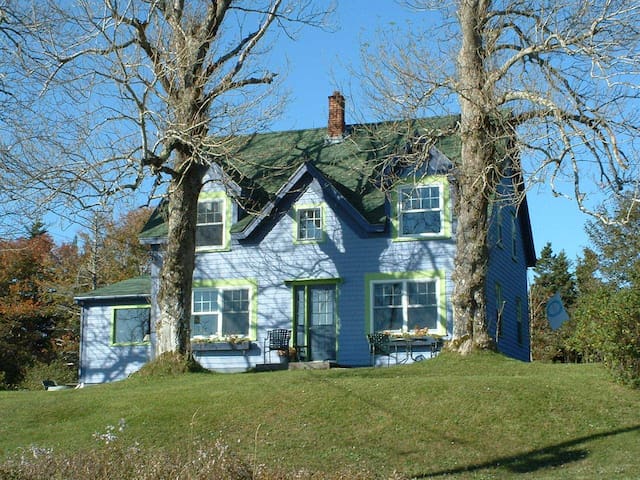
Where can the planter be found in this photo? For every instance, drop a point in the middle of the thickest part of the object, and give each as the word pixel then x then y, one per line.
pixel 209 346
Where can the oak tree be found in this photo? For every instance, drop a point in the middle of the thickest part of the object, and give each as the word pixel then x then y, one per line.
pixel 543 92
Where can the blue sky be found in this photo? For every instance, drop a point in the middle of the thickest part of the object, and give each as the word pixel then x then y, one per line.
pixel 321 62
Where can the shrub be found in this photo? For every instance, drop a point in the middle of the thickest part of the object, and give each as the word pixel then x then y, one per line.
pixel 170 364
pixel 57 370
pixel 609 330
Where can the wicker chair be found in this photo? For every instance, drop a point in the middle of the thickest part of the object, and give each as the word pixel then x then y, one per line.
pixel 277 339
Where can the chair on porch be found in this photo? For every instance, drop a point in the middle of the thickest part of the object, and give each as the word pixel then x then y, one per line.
pixel 277 339
pixel 379 345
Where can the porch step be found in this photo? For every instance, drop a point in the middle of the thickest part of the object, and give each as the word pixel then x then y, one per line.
pixel 270 367
pixel 321 365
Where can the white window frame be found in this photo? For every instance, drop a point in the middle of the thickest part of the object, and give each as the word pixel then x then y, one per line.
pixel 404 306
pixel 222 223
pixel 215 307
pixel 317 221
pixel 402 211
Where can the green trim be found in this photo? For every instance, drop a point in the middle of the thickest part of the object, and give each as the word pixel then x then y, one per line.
pixel 226 227
pixel 113 324
pixel 438 275
pixel 336 314
pixel 445 190
pixel 314 281
pixel 296 220
pixel 252 284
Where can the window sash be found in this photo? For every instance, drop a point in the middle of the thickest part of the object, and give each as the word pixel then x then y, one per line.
pixel 420 210
pixel 210 223
pixel 403 306
pixel 221 312
pixel 310 224
pixel 131 325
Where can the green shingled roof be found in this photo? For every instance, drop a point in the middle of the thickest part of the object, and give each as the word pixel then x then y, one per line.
pixel 138 286
pixel 265 162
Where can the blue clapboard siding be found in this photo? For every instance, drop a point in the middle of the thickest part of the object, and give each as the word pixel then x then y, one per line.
pixel 507 268
pixel 100 360
pixel 270 259
pixel 275 258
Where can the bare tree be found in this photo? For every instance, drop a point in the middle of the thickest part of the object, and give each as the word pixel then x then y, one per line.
pixel 157 91
pixel 545 89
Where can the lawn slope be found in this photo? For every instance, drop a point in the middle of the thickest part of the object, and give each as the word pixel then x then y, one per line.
pixel 483 416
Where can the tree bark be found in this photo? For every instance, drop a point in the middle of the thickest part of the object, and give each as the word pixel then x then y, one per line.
pixel 470 330
pixel 174 296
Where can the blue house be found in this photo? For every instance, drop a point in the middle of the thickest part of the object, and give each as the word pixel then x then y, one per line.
pixel 331 234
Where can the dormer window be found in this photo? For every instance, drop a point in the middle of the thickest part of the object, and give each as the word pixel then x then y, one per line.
pixel 420 211
pixel 309 224
pixel 210 223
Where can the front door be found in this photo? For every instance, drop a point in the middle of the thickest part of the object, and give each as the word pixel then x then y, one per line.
pixel 315 325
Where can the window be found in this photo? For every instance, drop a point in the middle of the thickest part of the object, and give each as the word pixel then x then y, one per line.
pixel 405 305
pixel 420 211
pixel 500 303
pixel 131 324
pixel 220 312
pixel 519 322
pixel 309 224
pixel 210 223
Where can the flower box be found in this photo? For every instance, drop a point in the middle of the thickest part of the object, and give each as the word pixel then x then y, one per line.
pixel 208 346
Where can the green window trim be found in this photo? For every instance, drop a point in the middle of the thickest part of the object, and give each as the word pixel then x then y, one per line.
pixel 229 284
pixel 305 283
pixel 227 221
pixel 297 210
pixel 114 312
pixel 445 209
pixel 439 276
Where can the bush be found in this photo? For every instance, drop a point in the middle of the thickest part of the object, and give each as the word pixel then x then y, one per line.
pixel 57 370
pixel 169 364
pixel 609 330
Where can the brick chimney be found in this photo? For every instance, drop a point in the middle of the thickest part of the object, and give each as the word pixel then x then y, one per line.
pixel 336 126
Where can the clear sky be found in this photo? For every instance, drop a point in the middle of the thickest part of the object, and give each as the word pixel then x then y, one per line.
pixel 320 62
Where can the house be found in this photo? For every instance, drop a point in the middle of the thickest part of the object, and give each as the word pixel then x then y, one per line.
pixel 328 233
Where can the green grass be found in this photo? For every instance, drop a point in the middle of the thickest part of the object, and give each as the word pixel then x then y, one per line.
pixel 483 416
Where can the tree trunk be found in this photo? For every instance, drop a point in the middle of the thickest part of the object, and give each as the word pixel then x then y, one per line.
pixel 470 329
pixel 174 296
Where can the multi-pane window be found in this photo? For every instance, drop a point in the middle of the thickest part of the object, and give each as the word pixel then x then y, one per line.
pixel 131 325
pixel 220 312
pixel 405 305
pixel 310 224
pixel 210 223
pixel 420 210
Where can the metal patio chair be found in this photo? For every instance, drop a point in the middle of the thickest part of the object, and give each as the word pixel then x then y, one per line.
pixel 278 340
pixel 379 345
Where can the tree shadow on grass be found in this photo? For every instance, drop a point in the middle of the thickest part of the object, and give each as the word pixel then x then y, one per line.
pixel 548 457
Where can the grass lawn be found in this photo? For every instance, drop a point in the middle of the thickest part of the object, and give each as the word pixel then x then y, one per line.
pixel 484 416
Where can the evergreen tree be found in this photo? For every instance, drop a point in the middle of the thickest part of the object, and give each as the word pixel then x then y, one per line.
pixel 552 275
